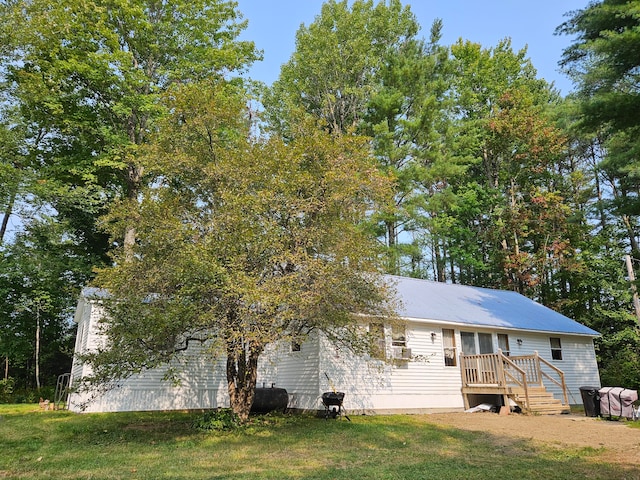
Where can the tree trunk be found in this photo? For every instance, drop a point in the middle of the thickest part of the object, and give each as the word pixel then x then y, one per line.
pixel 37 355
pixel 598 187
pixel 134 179
pixel 392 238
pixel 5 217
pixel 242 373
pixel 6 367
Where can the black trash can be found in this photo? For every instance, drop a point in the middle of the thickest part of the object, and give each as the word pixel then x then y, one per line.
pixel 591 401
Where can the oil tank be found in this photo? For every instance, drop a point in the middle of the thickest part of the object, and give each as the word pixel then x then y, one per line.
pixel 269 399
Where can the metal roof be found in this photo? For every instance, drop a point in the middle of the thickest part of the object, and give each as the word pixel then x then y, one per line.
pixel 464 305
pixel 479 307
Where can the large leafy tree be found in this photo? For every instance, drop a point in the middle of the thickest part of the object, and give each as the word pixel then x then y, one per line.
pixel 505 221
pixel 80 86
pixel 604 62
pixel 242 242
pixel 87 76
pixel 406 119
pixel 361 67
pixel 336 66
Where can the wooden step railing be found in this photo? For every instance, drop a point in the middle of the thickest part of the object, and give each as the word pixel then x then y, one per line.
pixel 538 369
pixel 504 375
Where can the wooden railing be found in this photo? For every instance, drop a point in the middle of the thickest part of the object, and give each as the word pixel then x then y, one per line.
pixel 538 369
pixel 514 375
pixel 559 382
pixel 482 369
pixel 496 370
pixel 531 365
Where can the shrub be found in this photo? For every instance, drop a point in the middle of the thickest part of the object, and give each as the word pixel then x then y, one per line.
pixel 6 389
pixel 219 420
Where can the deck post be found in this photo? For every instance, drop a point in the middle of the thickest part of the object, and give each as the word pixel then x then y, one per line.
pixel 538 367
pixel 463 376
pixel 502 380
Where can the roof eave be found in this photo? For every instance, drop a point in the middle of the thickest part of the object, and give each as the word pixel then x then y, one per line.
pixel 497 327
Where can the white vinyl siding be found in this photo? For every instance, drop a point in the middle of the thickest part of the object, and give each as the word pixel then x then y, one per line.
pixel 579 365
pixel 202 378
pixel 298 373
pixel 422 383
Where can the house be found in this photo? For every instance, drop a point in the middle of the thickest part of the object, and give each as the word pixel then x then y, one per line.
pixel 453 347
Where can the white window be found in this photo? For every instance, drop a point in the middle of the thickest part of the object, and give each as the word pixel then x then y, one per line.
pixel 556 348
pixel 398 336
pixel 468 340
pixel 378 344
pixel 503 343
pixel 449 344
pixel 473 343
pixel 485 343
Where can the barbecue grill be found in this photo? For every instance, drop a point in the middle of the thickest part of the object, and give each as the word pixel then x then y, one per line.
pixel 332 402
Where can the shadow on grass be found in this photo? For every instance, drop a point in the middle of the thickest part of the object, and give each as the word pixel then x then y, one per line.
pixel 164 445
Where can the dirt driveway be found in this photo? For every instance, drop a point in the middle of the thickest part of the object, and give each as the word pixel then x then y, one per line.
pixel 621 442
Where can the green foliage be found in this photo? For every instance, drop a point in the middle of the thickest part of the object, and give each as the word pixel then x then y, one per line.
pixel 6 389
pixel 619 354
pixel 41 273
pixel 361 67
pixel 82 84
pixel 85 81
pixel 336 66
pixel 604 61
pixel 242 242
pixel 217 420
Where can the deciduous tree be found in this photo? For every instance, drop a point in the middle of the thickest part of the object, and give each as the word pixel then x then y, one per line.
pixel 87 77
pixel 243 242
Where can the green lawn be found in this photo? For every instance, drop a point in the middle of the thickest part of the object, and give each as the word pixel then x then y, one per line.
pixel 61 445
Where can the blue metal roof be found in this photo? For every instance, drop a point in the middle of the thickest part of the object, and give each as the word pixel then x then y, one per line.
pixel 480 307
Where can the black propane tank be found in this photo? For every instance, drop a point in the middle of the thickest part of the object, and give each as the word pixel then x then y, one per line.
pixel 269 399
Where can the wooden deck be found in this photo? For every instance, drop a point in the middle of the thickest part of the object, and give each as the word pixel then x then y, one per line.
pixel 521 379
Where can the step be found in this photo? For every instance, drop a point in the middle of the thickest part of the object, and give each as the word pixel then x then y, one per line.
pixel 536 405
pixel 540 402
pixel 550 410
pixel 531 390
pixel 537 398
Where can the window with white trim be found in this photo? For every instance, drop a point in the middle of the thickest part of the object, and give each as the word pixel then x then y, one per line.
pixel 378 344
pixel 503 343
pixel 398 336
pixel 468 342
pixel 485 343
pixel 449 345
pixel 556 348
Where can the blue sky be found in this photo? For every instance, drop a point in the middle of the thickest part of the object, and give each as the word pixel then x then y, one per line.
pixel 531 23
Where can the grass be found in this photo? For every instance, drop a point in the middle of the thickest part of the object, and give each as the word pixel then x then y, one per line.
pixel 38 444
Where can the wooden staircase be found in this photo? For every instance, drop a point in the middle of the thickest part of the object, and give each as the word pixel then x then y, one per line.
pixel 541 401
pixel 517 378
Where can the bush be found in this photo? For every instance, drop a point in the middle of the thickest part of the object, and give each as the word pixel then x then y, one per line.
pixel 6 389
pixel 219 420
